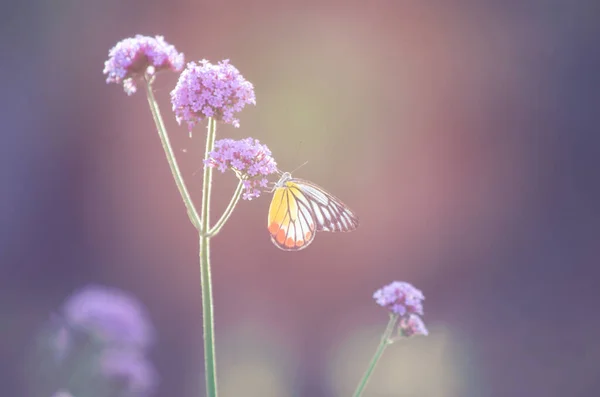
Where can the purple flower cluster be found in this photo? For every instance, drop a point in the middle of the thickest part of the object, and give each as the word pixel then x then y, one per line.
pixel 116 325
pixel 113 316
pixel 134 57
pixel 412 325
pixel 206 90
pixel 250 160
pixel 405 301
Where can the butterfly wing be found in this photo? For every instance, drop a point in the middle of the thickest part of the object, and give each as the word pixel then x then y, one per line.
pixel 299 208
pixel 291 222
pixel 329 212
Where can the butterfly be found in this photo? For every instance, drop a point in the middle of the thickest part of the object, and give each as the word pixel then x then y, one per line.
pixel 300 208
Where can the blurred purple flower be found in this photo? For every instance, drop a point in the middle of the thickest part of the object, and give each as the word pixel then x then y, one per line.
pixel 134 57
pixel 400 298
pixel 412 325
pixel 60 338
pixel 248 158
pixel 129 371
pixel 113 316
pixel 62 393
pixel 206 90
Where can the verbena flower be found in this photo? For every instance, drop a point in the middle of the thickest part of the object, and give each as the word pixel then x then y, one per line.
pixel 406 301
pixel 400 298
pixel 113 316
pixel 132 58
pixel 250 159
pixel 206 90
pixel 412 325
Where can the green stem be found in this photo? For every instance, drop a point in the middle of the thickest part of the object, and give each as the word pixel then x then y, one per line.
pixel 166 144
pixel 234 200
pixel 385 341
pixel 207 305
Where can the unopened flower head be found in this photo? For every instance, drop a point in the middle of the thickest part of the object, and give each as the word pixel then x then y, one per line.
pixel 400 298
pixel 133 58
pixel 113 316
pixel 250 159
pixel 206 90
pixel 412 325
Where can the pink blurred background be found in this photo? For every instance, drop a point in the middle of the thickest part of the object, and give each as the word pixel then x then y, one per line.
pixel 465 137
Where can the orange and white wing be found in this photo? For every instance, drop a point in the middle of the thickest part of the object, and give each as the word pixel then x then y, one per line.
pixel 329 212
pixel 291 221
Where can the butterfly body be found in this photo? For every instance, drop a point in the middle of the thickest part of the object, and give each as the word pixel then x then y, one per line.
pixel 300 208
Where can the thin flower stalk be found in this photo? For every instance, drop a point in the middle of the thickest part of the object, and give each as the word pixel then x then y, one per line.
pixel 215 93
pixel 166 144
pixel 237 195
pixel 383 343
pixel 205 277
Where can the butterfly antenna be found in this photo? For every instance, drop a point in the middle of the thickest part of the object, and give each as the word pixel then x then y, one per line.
pixel 301 165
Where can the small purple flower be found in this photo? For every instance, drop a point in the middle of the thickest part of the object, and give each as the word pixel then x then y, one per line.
pixel 134 57
pixel 400 298
pixel 129 371
pixel 405 302
pixel 412 325
pixel 206 90
pixel 113 316
pixel 249 159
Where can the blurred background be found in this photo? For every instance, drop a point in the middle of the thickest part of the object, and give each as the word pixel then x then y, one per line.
pixel 464 135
